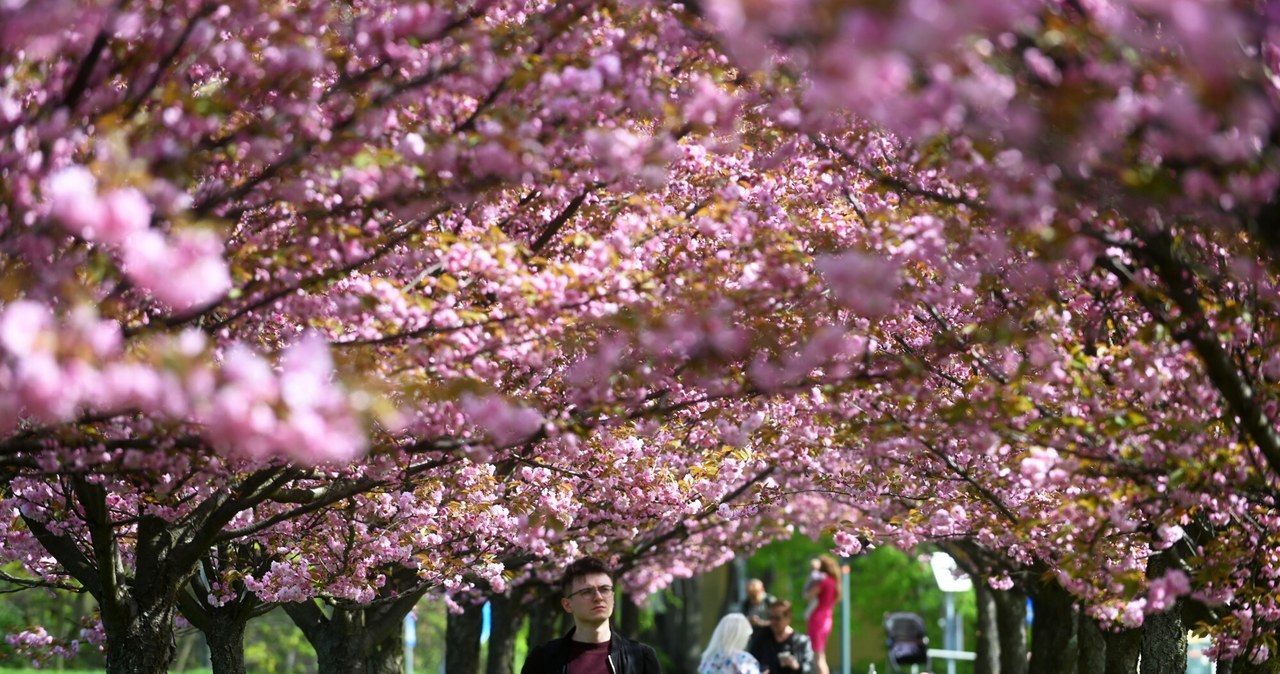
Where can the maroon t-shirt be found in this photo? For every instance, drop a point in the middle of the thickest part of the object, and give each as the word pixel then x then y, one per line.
pixel 588 658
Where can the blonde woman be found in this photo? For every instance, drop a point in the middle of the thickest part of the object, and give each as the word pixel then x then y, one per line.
pixel 727 652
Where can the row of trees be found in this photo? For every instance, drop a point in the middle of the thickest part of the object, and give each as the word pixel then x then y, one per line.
pixel 331 306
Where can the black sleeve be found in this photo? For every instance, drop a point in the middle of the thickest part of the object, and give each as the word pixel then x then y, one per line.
pixel 533 662
pixel 650 658
pixel 757 636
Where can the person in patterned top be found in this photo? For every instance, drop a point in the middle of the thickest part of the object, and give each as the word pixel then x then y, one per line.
pixel 726 653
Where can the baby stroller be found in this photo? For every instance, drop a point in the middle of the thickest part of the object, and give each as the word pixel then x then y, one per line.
pixel 907 641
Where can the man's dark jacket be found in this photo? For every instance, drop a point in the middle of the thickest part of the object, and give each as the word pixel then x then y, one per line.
pixel 625 657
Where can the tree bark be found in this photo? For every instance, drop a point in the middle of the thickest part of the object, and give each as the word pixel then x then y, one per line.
pixel 547 617
pixel 137 606
pixel 987 650
pixel 733 581
pixel 1011 621
pixel 1164 638
pixel 223 626
pixel 1241 665
pixel 386 656
pixel 630 623
pixel 337 646
pixel 1093 646
pixel 145 644
pixel 506 612
pixel 357 640
pixel 1054 638
pixel 335 657
pixel 226 646
pixel 462 652
pixel 1123 649
pixel 679 625
pixel 1164 643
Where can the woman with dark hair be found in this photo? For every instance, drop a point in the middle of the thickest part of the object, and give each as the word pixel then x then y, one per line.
pixel 825 592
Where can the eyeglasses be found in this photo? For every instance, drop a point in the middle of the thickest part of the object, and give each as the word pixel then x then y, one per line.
pixel 605 591
pixel 779 618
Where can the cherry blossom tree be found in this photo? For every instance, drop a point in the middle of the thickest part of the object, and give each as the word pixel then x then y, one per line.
pixel 308 233
pixel 1116 161
pixel 333 306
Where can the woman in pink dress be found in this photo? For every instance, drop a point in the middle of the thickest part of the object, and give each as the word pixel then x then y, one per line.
pixel 825 592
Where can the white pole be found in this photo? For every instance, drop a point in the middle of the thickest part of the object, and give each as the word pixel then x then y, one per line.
pixel 740 571
pixel 846 647
pixel 410 640
pixel 949 637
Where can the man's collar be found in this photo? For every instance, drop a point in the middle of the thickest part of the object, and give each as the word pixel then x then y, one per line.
pixel 568 636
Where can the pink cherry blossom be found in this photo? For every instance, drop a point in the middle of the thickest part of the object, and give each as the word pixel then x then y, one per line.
pixel 185 271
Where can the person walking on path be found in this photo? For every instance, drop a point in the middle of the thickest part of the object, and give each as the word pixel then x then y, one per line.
pixel 726 653
pixel 756 604
pixel 779 648
pixel 826 592
pixel 590 646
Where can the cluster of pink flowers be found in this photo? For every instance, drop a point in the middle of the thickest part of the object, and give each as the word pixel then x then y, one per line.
pixel 40 646
pixel 185 269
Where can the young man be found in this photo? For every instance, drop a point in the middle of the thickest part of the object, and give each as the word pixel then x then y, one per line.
pixel 590 647
pixel 780 649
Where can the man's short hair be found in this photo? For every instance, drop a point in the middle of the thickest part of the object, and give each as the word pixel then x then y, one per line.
pixel 781 605
pixel 582 567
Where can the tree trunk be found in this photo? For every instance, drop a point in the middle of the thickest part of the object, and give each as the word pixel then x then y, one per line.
pixel 143 645
pixel 1164 638
pixel 1093 646
pixel 630 624
pixel 1241 665
pixel 679 625
pixel 506 612
pixel 360 640
pixel 223 626
pixel 335 656
pixel 546 618
pixel 386 656
pixel 137 616
pixel 1011 621
pixel 138 602
pixel 987 650
pixel 337 644
pixel 1164 643
pixel 1123 649
pixel 462 638
pixel 343 642
pixel 733 582
pixel 225 636
pixel 1054 639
